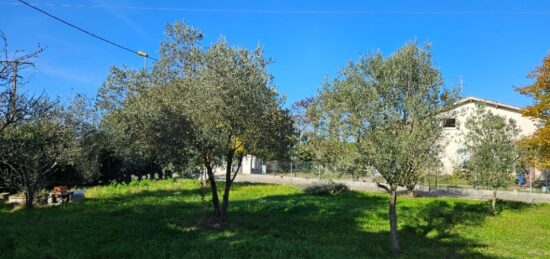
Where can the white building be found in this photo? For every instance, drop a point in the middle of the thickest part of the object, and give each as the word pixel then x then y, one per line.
pixel 454 129
pixel 453 133
pixel 251 164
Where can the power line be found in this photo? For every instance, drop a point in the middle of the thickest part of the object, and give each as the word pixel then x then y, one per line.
pixel 290 11
pixel 139 53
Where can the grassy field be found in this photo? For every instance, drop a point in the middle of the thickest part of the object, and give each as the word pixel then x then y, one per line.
pixel 163 219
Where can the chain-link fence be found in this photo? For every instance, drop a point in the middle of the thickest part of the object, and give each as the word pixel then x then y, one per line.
pixel 313 170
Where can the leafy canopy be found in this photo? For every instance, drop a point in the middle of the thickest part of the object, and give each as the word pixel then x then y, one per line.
pixel 490 148
pixel 388 106
pixel 538 145
pixel 197 107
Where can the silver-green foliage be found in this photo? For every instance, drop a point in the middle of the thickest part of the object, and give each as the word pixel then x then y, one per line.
pixel 33 149
pixel 387 107
pixel 37 134
pixel 490 149
pixel 198 106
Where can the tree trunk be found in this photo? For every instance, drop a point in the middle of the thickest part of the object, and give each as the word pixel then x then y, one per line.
pixel 494 203
pixel 29 199
pixel 214 189
pixel 202 178
pixel 228 170
pixel 410 190
pixel 394 244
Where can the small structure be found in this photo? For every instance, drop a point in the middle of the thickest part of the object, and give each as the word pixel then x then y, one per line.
pixel 59 194
pixel 251 164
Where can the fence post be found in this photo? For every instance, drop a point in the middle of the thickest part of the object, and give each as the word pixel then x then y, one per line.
pixel 530 183
pixel 546 179
pixel 436 174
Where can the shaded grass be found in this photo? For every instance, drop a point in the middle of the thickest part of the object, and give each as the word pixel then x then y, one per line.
pixel 164 219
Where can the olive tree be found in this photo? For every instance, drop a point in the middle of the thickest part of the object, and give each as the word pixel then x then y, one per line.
pixel 491 150
pixel 129 120
pixel 30 128
pixel 331 141
pixel 89 141
pixel 206 107
pixel 232 110
pixel 34 149
pixel 388 106
pixel 38 136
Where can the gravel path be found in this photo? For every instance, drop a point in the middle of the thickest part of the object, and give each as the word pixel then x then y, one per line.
pixel 421 191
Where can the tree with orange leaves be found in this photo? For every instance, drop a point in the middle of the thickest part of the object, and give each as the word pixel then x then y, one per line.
pixel 538 144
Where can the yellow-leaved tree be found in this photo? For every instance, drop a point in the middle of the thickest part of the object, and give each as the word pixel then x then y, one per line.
pixel 538 144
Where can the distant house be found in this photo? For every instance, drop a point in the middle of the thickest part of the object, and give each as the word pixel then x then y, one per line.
pixel 453 135
pixel 250 165
pixel 455 130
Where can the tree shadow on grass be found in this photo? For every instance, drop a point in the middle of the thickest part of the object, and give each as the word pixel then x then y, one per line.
pixel 439 216
pixel 5 207
pixel 350 225
pixel 164 224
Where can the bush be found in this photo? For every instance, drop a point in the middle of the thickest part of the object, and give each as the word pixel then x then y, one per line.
pixel 331 188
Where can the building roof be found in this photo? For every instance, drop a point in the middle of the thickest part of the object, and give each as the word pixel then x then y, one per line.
pixel 472 99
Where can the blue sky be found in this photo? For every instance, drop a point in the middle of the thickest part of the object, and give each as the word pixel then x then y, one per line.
pixel 491 45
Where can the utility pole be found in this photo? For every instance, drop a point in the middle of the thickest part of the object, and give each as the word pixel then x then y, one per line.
pixel 460 85
pixel 13 93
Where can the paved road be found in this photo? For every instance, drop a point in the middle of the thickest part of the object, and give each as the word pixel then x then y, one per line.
pixel 422 191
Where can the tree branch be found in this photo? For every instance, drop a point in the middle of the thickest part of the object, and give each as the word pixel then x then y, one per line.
pixel 47 171
pixel 386 188
pixel 238 168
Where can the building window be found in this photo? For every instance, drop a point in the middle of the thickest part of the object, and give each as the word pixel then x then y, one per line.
pixel 449 123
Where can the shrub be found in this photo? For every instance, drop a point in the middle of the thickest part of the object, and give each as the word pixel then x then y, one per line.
pixel 331 188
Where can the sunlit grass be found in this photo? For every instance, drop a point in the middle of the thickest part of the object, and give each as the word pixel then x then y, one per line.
pixel 163 219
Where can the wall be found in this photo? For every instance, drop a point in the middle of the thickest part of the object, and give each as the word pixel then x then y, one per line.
pixel 453 138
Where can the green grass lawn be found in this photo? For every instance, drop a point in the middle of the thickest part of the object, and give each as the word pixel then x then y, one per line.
pixel 162 219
